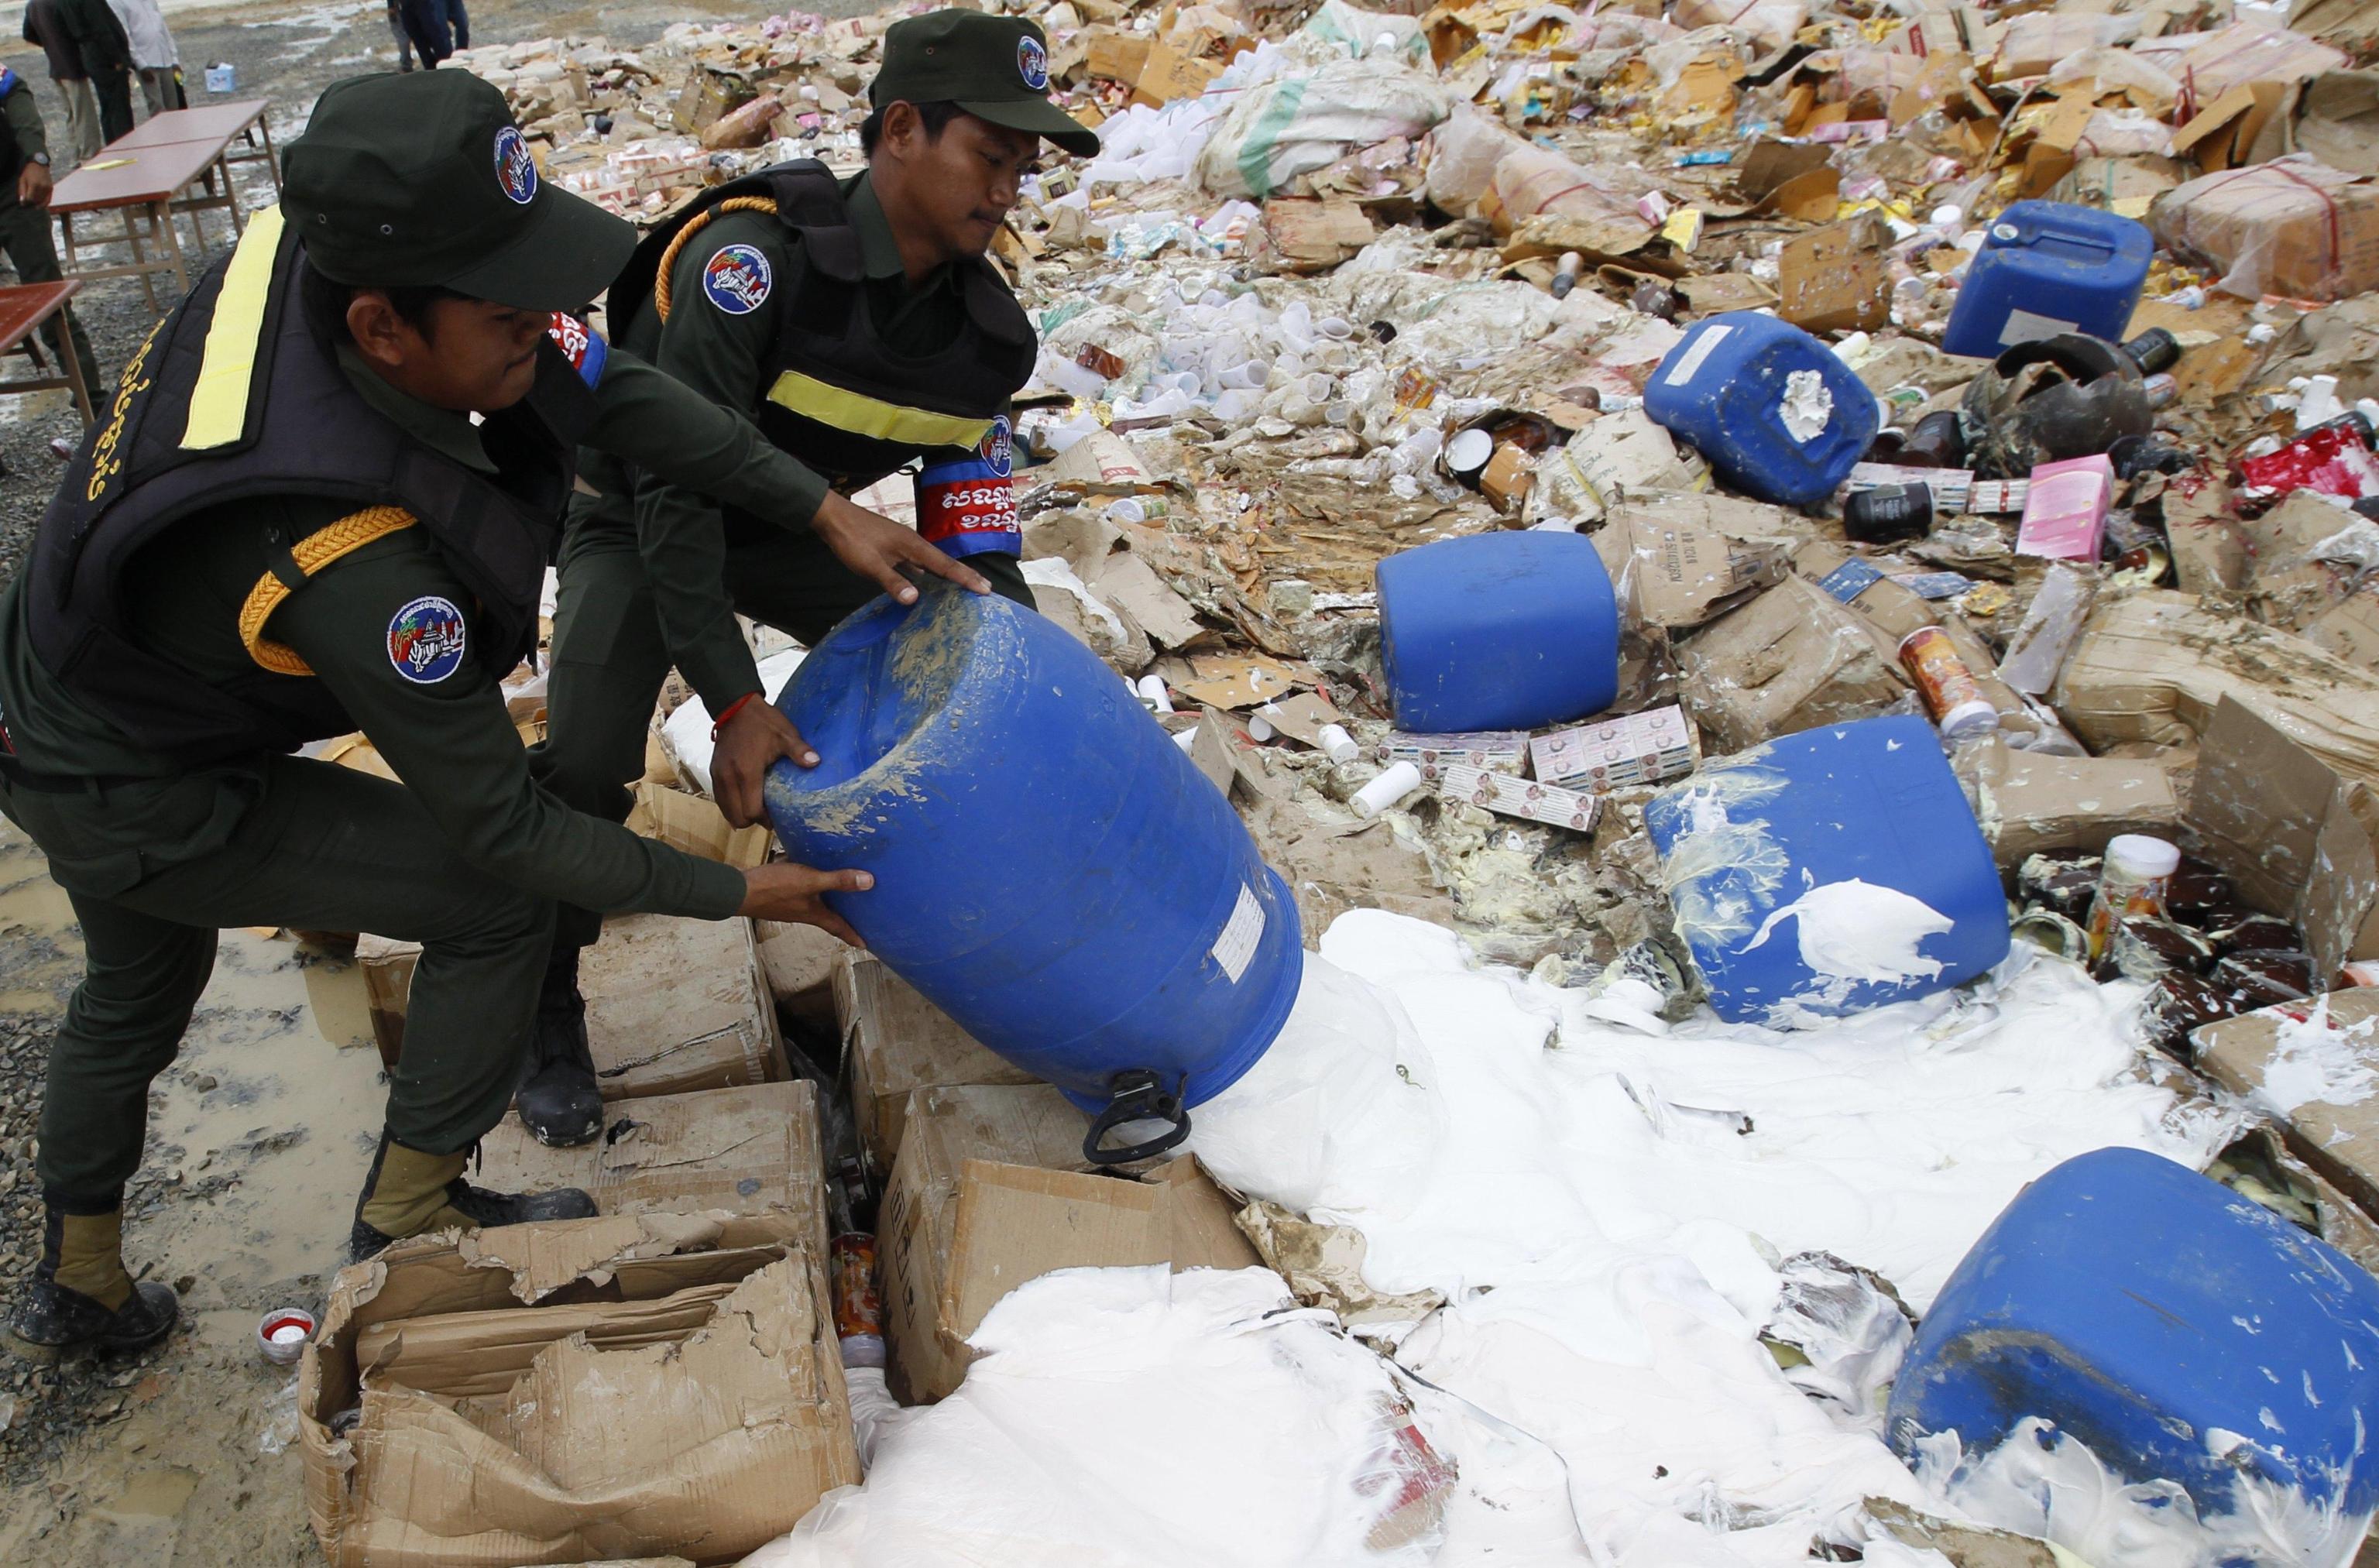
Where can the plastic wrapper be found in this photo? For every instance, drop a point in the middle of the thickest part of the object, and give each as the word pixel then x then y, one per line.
pixel 1297 124
pixel 1464 151
pixel 2293 226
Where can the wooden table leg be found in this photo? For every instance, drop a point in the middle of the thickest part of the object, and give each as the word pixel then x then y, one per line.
pixel 230 194
pixel 140 256
pixel 65 232
pixel 164 210
pixel 272 159
pixel 73 364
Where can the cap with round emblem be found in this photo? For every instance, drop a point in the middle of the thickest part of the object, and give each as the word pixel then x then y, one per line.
pixel 411 180
pixel 995 68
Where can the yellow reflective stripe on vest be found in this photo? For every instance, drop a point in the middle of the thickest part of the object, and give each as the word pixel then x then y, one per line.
pixel 312 553
pixel 863 415
pixel 219 398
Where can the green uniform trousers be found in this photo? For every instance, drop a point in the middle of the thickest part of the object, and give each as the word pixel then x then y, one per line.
pixel 155 867
pixel 25 234
pixel 609 657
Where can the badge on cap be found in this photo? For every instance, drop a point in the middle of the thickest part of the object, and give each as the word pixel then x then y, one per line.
pixel 737 279
pixel 515 169
pixel 997 448
pixel 426 640
pixel 1034 61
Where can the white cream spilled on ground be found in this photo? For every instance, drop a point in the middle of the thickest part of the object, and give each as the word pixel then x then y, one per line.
pixel 2318 1058
pixel 1612 1217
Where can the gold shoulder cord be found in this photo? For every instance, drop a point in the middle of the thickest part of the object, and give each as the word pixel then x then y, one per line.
pixel 312 553
pixel 669 257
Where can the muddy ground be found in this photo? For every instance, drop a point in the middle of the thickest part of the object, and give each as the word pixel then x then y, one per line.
pixel 260 1133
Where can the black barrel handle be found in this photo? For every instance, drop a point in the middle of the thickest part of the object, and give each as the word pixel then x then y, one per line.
pixel 1139 1095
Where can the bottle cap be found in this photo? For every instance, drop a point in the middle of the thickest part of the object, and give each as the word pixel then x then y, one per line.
pixel 1969 720
pixel 2142 855
pixel 1468 451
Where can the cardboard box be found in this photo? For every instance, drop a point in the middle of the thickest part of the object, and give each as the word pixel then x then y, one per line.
pixel 2293 226
pixel 1505 479
pixel 1507 795
pixel 1114 55
pixel 749 1151
pixel 798 962
pixel 2339 1140
pixel 991 1191
pixel 2153 666
pixel 1635 749
pixel 1790 660
pixel 2028 802
pixel 626 1386
pixel 693 824
pixel 894 1042
pixel 2209 553
pixel 2295 837
pixel 388 967
pixel 1837 279
pixel 1169 74
pixel 1302 235
pixel 673 1006
pixel 1678 573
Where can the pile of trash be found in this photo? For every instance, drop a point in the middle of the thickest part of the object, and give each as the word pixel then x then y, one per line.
pixel 1920 734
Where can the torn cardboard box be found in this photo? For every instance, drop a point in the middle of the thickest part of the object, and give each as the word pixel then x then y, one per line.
pixel 693 824
pixel 2340 1137
pixel 2295 837
pixel 674 1005
pixel 1790 660
pixel 990 1192
pixel 2028 802
pixel 895 1041
pixel 1837 279
pixel 590 1389
pixel 797 961
pixel 1676 573
pixel 2294 226
pixel 746 1151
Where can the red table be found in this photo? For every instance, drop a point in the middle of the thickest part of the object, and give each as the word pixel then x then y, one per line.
pixel 223 123
pixel 23 307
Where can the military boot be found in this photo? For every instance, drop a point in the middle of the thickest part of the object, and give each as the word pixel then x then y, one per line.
pixel 82 1294
pixel 557 1098
pixel 408 1192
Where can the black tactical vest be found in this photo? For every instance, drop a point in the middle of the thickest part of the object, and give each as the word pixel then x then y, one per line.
pixel 838 398
pixel 276 417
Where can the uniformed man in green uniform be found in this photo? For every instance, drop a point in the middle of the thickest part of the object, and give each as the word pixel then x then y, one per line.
pixel 322 498
pixel 859 322
pixel 25 217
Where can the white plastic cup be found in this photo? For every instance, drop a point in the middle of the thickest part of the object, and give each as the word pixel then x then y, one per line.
pixel 1387 788
pixel 282 1333
pixel 1152 691
pixel 1337 746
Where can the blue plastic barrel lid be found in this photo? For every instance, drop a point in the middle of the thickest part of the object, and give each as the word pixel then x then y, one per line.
pixel 1051 869
pixel 2181 1330
pixel 1829 871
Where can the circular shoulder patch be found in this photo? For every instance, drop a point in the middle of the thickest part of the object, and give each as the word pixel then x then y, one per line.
pixel 737 279
pixel 1032 62
pixel 515 168
pixel 997 448
pixel 426 640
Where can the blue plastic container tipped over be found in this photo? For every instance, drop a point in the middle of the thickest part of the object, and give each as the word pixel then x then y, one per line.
pixel 1829 871
pixel 1504 631
pixel 1778 414
pixel 2182 1331
pixel 2046 267
pixel 1051 869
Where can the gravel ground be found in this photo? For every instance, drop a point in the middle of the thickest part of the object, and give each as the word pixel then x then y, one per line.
pixel 77 1435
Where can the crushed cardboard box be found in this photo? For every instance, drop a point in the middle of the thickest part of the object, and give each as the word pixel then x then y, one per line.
pixel 894 1043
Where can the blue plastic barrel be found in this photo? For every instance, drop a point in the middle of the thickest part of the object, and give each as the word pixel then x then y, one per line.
pixel 1778 414
pixel 2182 1331
pixel 1051 869
pixel 2045 268
pixel 1504 631
pixel 1754 843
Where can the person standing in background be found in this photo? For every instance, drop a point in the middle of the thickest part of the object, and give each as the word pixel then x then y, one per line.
pixel 106 59
pixel 404 39
pixel 45 25
pixel 25 219
pixel 154 59
pixel 426 25
pixel 456 20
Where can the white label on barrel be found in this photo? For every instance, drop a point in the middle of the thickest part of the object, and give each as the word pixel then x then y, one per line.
pixel 2023 326
pixel 1236 948
pixel 1691 360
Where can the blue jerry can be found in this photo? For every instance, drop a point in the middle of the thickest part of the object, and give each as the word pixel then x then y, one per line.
pixel 2045 268
pixel 2181 1330
pixel 1504 631
pixel 1051 869
pixel 1778 414
pixel 1751 845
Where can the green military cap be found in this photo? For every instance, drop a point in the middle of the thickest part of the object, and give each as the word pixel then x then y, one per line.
pixel 422 178
pixel 995 68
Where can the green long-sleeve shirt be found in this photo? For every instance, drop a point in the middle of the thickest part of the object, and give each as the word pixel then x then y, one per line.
pixel 728 357
pixel 24 118
pixel 450 739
